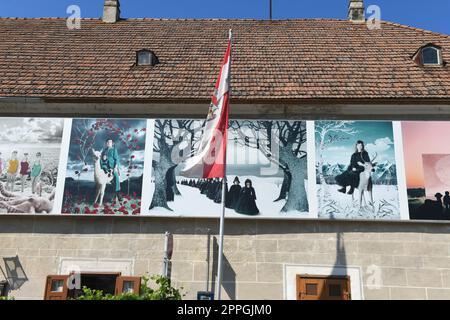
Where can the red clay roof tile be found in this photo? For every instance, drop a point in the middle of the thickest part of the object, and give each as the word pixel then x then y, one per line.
pixel 280 59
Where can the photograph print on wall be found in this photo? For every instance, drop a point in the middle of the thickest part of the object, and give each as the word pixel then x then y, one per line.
pixel 266 171
pixel 105 167
pixel 29 158
pixel 356 170
pixel 427 166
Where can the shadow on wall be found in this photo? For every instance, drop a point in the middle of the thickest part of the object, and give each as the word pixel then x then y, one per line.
pixel 229 276
pixel 200 226
pixel 15 274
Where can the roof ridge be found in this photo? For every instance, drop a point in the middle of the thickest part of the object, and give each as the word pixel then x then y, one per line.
pixel 43 18
pixel 178 19
pixel 416 29
pixel 230 20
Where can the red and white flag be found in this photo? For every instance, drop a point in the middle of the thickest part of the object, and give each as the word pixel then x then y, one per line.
pixel 210 159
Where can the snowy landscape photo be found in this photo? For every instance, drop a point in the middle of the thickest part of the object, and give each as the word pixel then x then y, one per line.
pixel 266 171
pixel 29 157
pixel 356 170
pixel 105 167
pixel 427 167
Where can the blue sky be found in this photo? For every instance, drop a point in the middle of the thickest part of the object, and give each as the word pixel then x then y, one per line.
pixel 376 135
pixel 429 14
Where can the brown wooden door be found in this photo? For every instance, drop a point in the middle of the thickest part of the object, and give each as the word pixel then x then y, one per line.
pixel 323 287
pixel 56 287
pixel 128 285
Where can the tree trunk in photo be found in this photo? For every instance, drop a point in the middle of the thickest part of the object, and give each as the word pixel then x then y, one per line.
pixel 285 186
pixel 160 168
pixel 175 189
pixel 159 198
pixel 320 164
pixel 323 182
pixel 297 199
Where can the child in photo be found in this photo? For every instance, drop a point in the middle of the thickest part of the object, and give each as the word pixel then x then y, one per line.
pixel 36 171
pixel 13 167
pixel 24 167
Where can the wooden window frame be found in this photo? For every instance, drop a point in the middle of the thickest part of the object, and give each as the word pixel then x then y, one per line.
pixel 48 295
pixel 52 295
pixel 322 281
pixel 136 284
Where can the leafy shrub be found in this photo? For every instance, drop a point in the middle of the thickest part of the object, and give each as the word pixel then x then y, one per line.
pixel 163 291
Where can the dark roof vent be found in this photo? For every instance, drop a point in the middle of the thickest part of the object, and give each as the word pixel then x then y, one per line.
pixel 429 55
pixel 146 57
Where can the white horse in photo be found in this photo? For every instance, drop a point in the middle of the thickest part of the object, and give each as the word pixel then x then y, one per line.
pixel 101 178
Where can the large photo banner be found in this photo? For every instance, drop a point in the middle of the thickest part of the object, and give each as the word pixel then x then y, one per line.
pixel 267 171
pixel 29 158
pixel 275 169
pixel 427 166
pixel 356 170
pixel 105 167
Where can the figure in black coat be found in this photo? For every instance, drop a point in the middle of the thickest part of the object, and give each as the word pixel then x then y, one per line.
pixel 246 203
pixel 205 187
pixel 351 176
pixel 218 198
pixel 447 200
pixel 233 194
pixel 212 189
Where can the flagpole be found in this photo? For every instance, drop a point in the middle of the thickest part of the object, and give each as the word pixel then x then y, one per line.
pixel 222 217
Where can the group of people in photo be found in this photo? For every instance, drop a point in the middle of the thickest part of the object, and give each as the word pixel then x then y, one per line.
pixel 241 199
pixel 24 169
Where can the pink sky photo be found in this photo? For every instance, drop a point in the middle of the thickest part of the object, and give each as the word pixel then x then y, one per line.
pixel 425 137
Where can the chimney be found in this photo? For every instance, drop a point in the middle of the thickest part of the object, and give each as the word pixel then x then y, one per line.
pixel 356 11
pixel 111 11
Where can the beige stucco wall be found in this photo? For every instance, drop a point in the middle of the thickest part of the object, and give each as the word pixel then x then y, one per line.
pixel 412 260
pixel 403 260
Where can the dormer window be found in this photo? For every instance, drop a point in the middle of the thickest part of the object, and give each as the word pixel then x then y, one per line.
pixel 146 58
pixel 429 55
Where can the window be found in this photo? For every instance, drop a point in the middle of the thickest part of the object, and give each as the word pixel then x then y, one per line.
pixel 146 58
pixel 430 55
pixel 128 285
pixel 110 283
pixel 56 287
pixel 323 287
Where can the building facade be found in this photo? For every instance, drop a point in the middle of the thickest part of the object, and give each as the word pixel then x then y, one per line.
pixel 282 70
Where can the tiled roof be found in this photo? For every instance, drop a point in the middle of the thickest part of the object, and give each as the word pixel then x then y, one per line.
pixel 280 59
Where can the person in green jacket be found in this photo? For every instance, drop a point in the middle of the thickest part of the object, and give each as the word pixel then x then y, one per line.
pixel 36 171
pixel 111 162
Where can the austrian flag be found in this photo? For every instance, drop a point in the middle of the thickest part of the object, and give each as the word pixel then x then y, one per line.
pixel 210 159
